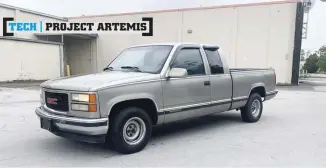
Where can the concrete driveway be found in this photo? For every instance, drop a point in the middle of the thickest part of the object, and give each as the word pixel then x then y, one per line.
pixel 291 132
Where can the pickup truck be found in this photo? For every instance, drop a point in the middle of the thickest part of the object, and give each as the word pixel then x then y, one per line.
pixel 148 85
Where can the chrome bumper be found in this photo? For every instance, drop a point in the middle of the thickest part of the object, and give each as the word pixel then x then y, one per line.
pixel 270 95
pixel 90 127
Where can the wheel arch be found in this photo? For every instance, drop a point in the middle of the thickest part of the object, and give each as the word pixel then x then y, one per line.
pixel 144 102
pixel 258 88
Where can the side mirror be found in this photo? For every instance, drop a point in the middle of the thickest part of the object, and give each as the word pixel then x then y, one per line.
pixel 177 73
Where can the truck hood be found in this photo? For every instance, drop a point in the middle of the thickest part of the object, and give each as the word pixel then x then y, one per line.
pixel 91 81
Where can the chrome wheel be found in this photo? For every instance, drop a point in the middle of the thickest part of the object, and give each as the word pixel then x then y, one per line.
pixel 255 108
pixel 134 131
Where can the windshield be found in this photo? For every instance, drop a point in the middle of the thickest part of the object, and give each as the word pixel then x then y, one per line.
pixel 149 59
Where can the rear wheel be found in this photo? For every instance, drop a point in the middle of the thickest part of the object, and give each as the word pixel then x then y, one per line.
pixel 130 130
pixel 252 111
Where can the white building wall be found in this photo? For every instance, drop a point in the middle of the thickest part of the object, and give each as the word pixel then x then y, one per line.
pixel 24 15
pixel 5 12
pixel 213 26
pixel 21 60
pixel 167 28
pixel 250 36
pixel 259 36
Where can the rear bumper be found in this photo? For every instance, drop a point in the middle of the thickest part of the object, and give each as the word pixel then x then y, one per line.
pixel 270 95
pixel 81 129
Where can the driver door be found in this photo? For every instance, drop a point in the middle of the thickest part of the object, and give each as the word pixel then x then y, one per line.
pixel 188 96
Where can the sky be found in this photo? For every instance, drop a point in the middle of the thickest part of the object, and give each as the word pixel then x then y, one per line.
pixel 65 8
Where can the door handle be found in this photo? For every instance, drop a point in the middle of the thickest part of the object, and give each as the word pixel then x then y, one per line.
pixel 207 83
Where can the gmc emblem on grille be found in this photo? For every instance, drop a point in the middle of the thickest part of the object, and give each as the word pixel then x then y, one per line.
pixel 52 100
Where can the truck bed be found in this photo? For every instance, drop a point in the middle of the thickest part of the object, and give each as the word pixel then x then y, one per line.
pixel 244 79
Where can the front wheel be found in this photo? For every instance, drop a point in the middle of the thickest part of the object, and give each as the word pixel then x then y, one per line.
pixel 252 111
pixel 130 130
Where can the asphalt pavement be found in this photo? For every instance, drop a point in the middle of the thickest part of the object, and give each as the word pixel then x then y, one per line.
pixel 291 132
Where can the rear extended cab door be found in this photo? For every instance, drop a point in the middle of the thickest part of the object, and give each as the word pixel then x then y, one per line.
pixel 220 78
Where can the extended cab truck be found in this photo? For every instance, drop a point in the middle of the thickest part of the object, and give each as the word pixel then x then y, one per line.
pixel 150 85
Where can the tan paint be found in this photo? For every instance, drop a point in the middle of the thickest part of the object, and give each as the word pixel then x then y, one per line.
pixel 189 9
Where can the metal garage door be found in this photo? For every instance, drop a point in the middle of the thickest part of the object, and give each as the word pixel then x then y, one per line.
pixel 29 60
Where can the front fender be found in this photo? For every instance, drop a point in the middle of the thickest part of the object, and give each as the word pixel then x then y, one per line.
pixel 111 96
pixel 126 97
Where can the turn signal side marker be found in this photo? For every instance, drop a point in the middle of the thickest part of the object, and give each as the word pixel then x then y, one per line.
pixel 92 98
pixel 92 107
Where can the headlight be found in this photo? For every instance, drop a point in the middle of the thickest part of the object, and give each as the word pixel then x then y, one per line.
pixel 79 107
pixel 88 98
pixel 83 102
pixel 84 107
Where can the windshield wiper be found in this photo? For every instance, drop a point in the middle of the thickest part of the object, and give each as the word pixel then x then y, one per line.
pixel 132 68
pixel 108 68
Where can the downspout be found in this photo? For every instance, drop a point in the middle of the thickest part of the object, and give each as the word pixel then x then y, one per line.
pixel 297 44
pixel 91 54
pixel 96 54
pixel 62 57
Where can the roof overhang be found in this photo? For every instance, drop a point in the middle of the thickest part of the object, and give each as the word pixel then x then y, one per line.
pixel 32 12
pixel 76 35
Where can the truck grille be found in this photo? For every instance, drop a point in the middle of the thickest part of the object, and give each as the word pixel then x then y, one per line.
pixel 57 101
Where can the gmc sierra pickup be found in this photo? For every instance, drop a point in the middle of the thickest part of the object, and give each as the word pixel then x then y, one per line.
pixel 149 85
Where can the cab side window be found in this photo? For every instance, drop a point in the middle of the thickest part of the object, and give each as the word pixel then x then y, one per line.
pixel 215 62
pixel 191 60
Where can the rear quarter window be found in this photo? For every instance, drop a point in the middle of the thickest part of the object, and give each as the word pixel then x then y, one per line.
pixel 214 60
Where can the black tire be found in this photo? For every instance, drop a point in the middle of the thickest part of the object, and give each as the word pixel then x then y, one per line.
pixel 116 130
pixel 246 113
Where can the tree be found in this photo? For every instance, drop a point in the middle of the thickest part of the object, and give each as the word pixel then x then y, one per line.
pixel 322 59
pixel 322 50
pixel 311 63
pixel 322 63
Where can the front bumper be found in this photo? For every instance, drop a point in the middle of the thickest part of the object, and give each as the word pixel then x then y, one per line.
pixel 81 129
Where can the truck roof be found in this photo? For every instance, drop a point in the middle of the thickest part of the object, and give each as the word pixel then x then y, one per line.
pixel 177 44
